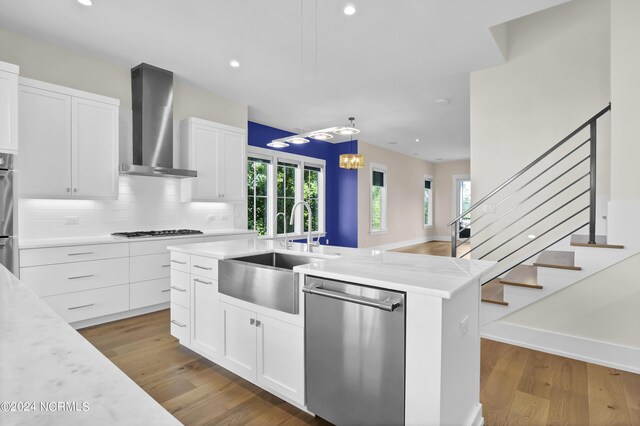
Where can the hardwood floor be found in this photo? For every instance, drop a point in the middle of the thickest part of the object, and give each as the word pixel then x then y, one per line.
pixel 518 386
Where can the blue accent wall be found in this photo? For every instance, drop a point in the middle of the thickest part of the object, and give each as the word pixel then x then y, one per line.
pixel 341 215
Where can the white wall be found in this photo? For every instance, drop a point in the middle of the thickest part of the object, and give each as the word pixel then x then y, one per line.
pixel 443 193
pixel 144 203
pixel 405 192
pixel 625 93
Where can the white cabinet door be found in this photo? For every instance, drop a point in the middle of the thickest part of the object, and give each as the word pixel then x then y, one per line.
pixel 8 111
pixel 94 149
pixel 281 358
pixel 45 143
pixel 239 341
pixel 205 155
pixel 206 317
pixel 233 166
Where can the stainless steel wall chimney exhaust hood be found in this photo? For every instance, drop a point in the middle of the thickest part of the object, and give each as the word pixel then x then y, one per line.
pixel 152 98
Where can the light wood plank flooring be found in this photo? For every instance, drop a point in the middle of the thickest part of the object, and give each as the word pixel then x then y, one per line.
pixel 518 386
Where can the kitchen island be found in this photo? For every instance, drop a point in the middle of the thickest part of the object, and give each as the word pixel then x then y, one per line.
pixel 49 374
pixel 265 345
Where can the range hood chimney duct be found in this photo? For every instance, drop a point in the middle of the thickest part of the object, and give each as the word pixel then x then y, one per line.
pixel 152 98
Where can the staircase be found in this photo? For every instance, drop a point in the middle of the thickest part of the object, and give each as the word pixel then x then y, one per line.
pixel 540 227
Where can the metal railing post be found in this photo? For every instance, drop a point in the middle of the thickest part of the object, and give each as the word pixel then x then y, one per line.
pixel 592 182
pixel 454 238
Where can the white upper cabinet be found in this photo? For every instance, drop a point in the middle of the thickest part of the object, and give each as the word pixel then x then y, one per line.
pixel 218 153
pixel 8 107
pixel 69 143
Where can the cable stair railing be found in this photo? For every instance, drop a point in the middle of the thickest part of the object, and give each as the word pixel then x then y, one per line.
pixel 548 200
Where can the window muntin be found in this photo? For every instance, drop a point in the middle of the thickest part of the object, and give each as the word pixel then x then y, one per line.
pixel 258 191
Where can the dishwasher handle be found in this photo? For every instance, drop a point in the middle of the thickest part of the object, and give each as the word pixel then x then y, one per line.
pixel 386 305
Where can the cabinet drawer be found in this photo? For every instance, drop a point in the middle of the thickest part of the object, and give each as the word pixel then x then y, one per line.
pixel 204 266
pixel 180 323
pixel 180 288
pixel 53 255
pixel 148 293
pixel 87 304
pixel 150 267
pixel 179 261
pixel 50 280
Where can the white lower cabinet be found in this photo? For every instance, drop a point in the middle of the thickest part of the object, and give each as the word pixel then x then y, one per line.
pixel 239 331
pixel 206 337
pixel 149 293
pixel 264 350
pixel 281 358
pixel 180 323
pixel 86 304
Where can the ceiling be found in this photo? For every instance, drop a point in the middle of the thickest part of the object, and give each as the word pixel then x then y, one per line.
pixel 386 65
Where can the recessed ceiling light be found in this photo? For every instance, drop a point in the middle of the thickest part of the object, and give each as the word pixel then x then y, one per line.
pixel 417 140
pixel 85 2
pixel 392 143
pixel 233 63
pixel 442 101
pixel 531 236
pixel 349 10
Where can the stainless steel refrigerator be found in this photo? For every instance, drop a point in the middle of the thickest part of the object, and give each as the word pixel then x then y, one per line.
pixel 8 243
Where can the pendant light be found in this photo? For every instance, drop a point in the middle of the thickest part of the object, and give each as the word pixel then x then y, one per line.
pixel 354 160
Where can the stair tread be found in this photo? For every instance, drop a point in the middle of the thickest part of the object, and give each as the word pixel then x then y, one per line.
pixel 601 242
pixel 523 276
pixel 493 292
pixel 557 259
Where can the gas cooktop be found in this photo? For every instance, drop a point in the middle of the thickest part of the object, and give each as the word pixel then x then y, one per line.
pixel 163 233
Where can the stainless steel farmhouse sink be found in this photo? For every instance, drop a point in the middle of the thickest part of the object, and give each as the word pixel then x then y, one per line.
pixel 264 279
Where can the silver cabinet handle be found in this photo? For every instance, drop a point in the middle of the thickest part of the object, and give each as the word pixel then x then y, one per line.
pixel 198 280
pixel 80 276
pixel 202 267
pixel 165 266
pixel 181 290
pixel 258 323
pixel 80 254
pixel 68 189
pixel 252 321
pixel 178 323
pixel 81 306
pixel 164 291
pixel 178 262
pixel 385 305
pixel 75 189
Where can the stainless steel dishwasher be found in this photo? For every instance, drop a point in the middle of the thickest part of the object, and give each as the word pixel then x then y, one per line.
pixel 354 353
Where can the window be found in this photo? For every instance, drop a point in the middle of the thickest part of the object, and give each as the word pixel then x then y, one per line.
pixel 378 198
pixel 286 186
pixel 312 196
pixel 275 182
pixel 428 202
pixel 257 190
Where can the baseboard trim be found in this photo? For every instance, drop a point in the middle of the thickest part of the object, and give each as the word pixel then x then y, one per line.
pixel 595 352
pixel 405 243
pixel 118 316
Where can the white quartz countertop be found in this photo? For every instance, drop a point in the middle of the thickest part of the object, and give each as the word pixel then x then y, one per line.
pixel 432 275
pixel 32 243
pixel 44 360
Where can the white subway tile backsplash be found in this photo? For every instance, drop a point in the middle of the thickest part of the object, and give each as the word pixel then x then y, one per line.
pixel 144 203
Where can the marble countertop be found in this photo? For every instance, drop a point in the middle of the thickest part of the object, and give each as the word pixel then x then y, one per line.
pixel 432 275
pixel 44 360
pixel 32 243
